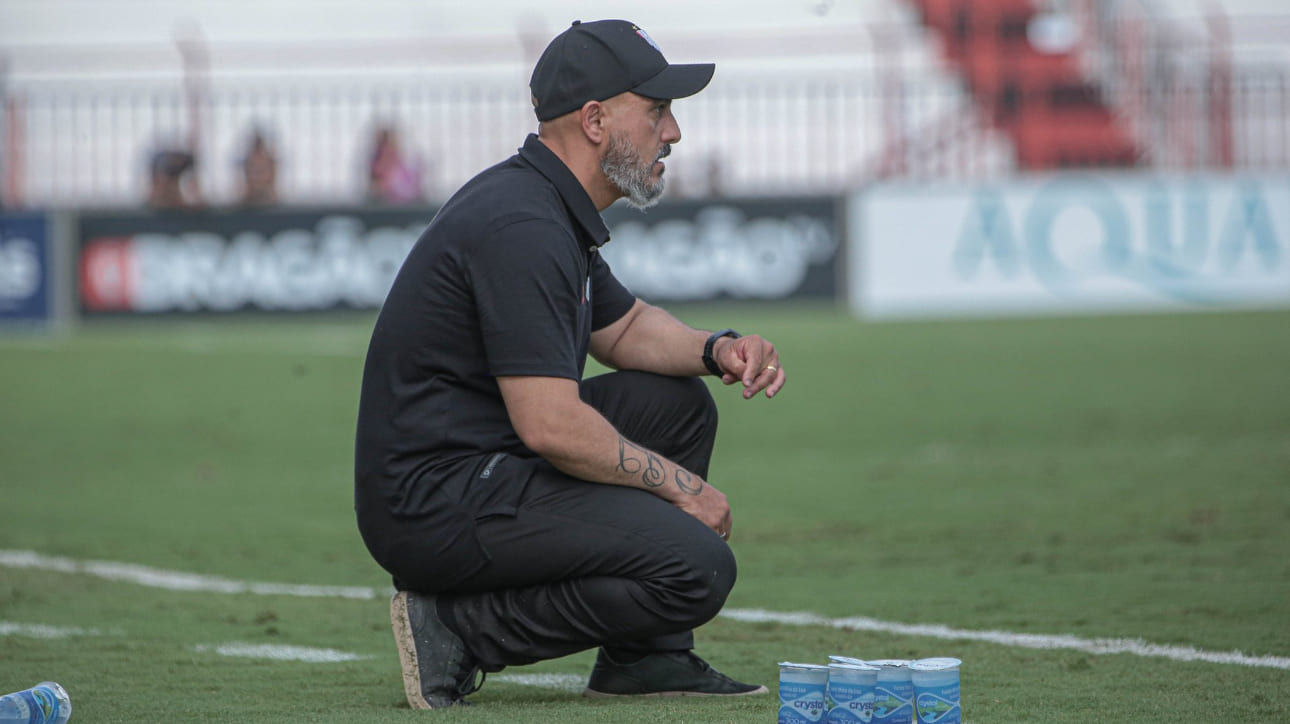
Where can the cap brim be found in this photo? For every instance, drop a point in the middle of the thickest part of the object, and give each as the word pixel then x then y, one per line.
pixel 677 81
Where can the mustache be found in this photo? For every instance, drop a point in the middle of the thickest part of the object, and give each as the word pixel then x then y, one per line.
pixel 664 152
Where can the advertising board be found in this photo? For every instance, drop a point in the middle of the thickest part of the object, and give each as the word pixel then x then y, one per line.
pixel 1071 243
pixel 301 260
pixel 730 249
pixel 288 261
pixel 26 268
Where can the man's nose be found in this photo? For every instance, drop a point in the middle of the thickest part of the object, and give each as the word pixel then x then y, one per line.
pixel 671 129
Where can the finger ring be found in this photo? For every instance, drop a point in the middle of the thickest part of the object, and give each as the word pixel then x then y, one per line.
pixel 771 368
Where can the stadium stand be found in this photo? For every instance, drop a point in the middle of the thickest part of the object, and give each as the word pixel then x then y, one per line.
pixel 829 97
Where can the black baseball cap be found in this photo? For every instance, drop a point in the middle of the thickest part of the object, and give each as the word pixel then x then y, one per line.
pixel 598 60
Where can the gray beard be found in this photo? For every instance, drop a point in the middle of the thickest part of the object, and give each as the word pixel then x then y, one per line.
pixel 630 174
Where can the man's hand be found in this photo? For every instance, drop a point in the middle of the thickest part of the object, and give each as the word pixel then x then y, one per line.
pixel 752 361
pixel 710 507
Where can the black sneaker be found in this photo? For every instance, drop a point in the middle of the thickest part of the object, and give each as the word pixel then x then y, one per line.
pixel 437 671
pixel 678 673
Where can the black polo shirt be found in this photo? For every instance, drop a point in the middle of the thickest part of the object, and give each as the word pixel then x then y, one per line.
pixel 506 280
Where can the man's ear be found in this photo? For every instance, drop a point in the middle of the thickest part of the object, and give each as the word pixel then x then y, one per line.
pixel 592 115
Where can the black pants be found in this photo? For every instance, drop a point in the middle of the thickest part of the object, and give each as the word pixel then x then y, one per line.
pixel 586 564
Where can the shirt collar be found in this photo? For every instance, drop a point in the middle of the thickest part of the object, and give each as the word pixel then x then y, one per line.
pixel 567 185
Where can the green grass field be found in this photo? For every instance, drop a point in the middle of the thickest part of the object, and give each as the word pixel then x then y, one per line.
pixel 1123 477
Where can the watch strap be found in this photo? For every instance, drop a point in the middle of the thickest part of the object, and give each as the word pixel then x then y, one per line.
pixel 708 361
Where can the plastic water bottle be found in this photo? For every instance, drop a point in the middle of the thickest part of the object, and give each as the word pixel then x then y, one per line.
pixel 44 703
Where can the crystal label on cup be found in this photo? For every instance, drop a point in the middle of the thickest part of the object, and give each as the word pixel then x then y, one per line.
pixel 893 695
pixel 801 693
pixel 936 690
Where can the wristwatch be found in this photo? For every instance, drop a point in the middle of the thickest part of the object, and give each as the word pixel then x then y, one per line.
pixel 710 363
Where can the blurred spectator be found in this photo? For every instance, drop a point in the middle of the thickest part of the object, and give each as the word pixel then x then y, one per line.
pixel 172 180
pixel 706 181
pixel 716 173
pixel 259 173
pixel 392 178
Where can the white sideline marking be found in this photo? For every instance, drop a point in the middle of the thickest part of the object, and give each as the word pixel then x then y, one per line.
pixel 41 631
pixel 559 682
pixel 279 652
pixel 1138 647
pixel 179 581
pixel 174 580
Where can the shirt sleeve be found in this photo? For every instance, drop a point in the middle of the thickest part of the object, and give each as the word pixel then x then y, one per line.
pixel 528 286
pixel 610 300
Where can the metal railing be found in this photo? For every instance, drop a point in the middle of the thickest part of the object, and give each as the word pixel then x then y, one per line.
pixel 80 144
pixel 1189 97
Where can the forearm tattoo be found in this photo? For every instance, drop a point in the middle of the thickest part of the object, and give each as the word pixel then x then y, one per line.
pixel 636 460
pixel 630 461
pixel 686 482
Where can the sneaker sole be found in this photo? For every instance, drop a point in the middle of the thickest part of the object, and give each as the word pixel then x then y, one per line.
pixel 405 642
pixel 593 694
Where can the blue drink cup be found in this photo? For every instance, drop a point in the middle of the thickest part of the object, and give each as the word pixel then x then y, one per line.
pixel 847 660
pixel 893 695
pixel 936 690
pixel 44 703
pixel 801 692
pixel 851 693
